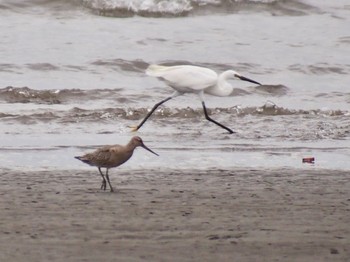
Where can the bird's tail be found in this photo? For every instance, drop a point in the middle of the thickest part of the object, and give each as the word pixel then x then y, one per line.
pixel 156 70
pixel 82 159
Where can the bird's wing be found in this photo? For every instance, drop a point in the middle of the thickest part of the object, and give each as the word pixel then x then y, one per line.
pixel 97 158
pixel 103 155
pixel 184 76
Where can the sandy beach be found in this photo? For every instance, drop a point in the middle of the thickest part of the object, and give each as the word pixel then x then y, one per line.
pixel 191 215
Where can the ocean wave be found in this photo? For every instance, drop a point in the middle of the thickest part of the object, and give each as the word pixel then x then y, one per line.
pixel 286 123
pixel 26 95
pixel 159 8
pixel 321 69
pixel 21 6
pixel 65 96
pixel 56 96
pixel 78 115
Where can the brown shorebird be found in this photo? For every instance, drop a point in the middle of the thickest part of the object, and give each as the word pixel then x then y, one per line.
pixel 112 156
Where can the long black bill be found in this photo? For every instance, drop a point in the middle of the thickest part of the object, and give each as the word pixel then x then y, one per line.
pixel 145 147
pixel 248 80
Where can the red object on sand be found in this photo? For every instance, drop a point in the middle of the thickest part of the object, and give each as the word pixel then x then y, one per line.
pixel 309 160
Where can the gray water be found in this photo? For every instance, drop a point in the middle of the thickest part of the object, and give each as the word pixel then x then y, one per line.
pixel 72 79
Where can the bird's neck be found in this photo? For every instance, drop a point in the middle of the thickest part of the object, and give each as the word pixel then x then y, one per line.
pixel 130 147
pixel 222 87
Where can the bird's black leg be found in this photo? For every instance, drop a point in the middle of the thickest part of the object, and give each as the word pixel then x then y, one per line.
pixel 109 181
pixel 175 94
pixel 103 186
pixel 151 112
pixel 212 120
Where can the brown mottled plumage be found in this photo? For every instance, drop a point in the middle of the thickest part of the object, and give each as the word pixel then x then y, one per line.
pixel 112 156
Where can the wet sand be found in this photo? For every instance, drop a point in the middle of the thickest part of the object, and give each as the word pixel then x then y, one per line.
pixel 169 215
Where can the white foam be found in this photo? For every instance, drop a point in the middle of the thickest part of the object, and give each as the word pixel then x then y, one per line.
pixel 137 6
pixel 163 6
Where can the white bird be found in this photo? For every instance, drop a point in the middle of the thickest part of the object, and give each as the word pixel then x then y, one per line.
pixel 194 79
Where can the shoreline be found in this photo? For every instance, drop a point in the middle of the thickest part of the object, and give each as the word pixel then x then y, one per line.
pixel 186 215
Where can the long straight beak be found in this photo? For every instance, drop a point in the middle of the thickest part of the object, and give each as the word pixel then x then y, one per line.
pixel 145 147
pixel 247 79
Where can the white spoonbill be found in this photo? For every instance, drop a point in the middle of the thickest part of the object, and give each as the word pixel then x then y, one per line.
pixel 194 79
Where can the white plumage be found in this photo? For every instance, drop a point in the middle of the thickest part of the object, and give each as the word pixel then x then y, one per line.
pixel 194 79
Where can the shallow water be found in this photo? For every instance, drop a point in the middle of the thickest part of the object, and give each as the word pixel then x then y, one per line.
pixel 72 78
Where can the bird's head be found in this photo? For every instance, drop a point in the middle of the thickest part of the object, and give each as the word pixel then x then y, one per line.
pixel 137 141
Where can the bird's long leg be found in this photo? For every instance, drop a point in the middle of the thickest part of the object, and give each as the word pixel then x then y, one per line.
pixel 103 186
pixel 154 108
pixel 112 190
pixel 210 119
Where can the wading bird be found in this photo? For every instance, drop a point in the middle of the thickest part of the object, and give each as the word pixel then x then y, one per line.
pixel 112 156
pixel 194 79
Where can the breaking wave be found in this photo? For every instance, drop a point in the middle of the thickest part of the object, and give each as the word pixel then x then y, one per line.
pixel 161 8
pixel 57 96
pixel 63 107
pixel 64 96
pixel 77 114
